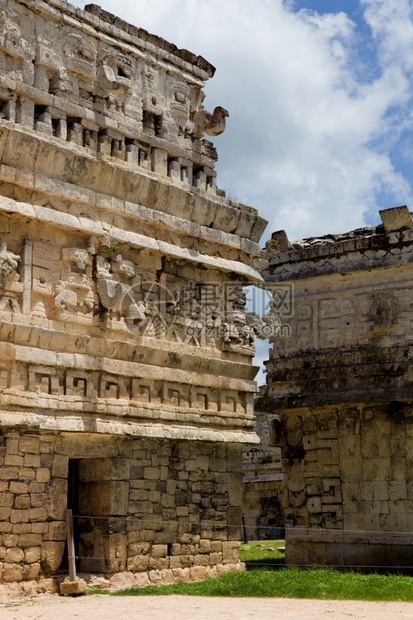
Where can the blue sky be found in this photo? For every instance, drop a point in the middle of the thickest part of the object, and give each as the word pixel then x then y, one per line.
pixel 320 97
pixel 319 92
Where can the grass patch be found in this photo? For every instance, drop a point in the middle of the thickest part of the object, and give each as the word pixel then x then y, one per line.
pixel 267 577
pixel 292 583
pixel 262 554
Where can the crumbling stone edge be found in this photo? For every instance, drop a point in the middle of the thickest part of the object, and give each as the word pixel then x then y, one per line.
pixel 121 580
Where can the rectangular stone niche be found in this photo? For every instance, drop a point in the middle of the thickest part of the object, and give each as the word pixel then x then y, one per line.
pixel 98 496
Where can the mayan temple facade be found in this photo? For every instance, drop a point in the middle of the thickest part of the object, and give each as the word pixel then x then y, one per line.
pixel 340 380
pixel 126 382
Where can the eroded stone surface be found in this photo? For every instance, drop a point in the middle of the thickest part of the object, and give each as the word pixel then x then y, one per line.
pixel 73 588
pixel 339 378
pixel 262 496
pixel 125 352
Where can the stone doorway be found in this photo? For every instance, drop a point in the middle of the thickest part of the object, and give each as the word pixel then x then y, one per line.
pixel 98 490
pixel 73 486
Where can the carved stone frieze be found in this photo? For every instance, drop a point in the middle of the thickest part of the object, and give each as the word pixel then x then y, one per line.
pixel 238 335
pixel 10 286
pixel 125 353
pixel 9 263
pixel 88 386
pixel 81 283
pixel 115 72
pixel 74 291
pixel 16 53
pixel 115 293
pixel 80 53
pixel 118 298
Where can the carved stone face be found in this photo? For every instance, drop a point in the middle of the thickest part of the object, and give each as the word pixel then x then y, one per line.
pixel 8 262
pixel 82 259
pixel 103 267
pixel 80 55
pixel 124 267
pixel 294 431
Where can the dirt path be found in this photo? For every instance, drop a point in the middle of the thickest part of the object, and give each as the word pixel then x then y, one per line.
pixel 101 607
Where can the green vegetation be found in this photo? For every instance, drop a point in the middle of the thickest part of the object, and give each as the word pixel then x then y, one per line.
pixel 292 583
pixel 266 577
pixel 262 554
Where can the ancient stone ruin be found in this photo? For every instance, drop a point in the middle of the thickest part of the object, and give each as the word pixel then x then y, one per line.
pixel 262 503
pixel 126 384
pixel 340 380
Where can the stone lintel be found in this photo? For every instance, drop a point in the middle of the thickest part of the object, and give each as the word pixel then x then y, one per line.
pixel 82 424
pixel 262 478
pixel 43 357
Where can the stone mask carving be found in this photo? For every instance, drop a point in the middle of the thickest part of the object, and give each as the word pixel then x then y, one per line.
pixel 8 264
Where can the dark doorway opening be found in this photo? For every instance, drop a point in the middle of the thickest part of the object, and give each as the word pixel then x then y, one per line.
pixel 98 495
pixel 73 504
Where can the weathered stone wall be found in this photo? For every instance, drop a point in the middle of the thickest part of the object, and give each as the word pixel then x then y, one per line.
pixel 262 507
pixel 122 314
pixel 341 385
pixel 112 269
pixel 159 511
pixel 262 510
pixel 348 499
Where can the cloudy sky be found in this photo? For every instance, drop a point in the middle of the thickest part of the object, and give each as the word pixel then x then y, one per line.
pixel 320 99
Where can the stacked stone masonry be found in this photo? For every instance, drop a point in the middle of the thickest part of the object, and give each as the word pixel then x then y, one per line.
pixel 122 310
pixel 263 516
pixel 172 508
pixel 341 383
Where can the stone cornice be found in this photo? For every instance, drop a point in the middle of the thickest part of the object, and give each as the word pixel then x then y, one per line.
pixel 104 24
pixel 135 240
pixel 116 427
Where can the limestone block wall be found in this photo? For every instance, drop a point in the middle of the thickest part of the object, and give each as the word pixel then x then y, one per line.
pixel 160 511
pixel 122 310
pixel 348 499
pixel 341 385
pixel 263 516
pixel 262 506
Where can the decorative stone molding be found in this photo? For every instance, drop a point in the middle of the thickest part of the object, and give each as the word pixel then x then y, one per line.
pixel 341 384
pixel 125 352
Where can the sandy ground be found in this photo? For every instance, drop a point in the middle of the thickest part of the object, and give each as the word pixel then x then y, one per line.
pixel 101 607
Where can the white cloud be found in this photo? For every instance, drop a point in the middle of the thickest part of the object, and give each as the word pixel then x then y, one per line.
pixel 307 141
pixel 391 24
